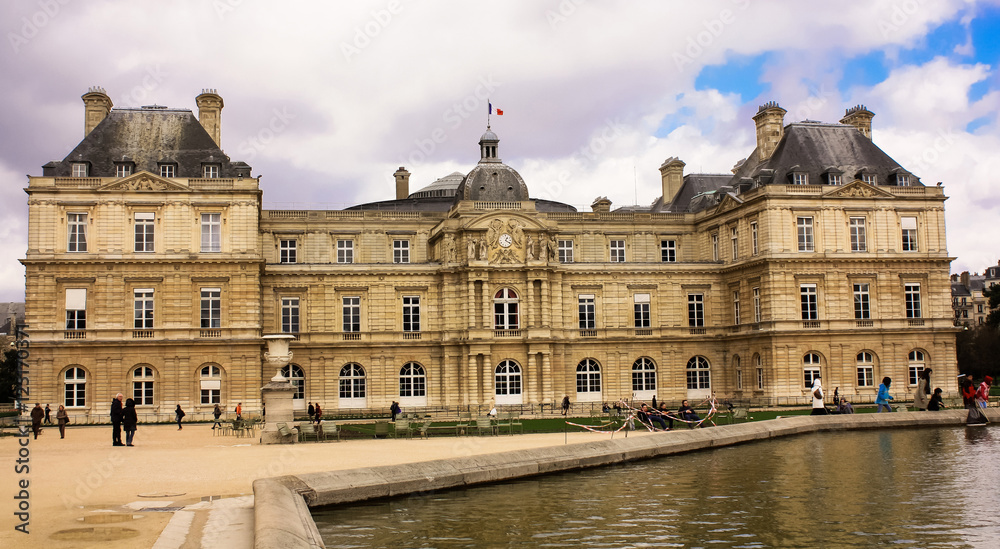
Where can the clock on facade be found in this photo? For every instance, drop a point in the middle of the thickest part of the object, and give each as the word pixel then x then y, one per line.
pixel 505 240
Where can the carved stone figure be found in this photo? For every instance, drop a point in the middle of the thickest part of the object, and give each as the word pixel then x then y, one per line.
pixel 449 249
pixel 471 243
pixel 483 251
pixel 529 248
pixel 543 248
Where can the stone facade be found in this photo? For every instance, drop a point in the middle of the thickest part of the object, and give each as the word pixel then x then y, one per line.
pixel 745 291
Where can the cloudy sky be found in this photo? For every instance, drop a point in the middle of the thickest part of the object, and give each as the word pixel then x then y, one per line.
pixel 325 100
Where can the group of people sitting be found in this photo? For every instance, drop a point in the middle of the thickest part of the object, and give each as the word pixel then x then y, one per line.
pixel 659 414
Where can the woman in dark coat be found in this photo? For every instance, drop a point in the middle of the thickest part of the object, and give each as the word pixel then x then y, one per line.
pixel 129 421
pixel 62 418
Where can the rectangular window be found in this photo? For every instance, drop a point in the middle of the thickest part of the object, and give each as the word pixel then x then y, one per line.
pixel 696 310
pixel 859 238
pixel 800 179
pixel 211 307
pixel 290 315
pixel 807 293
pixel 734 240
pixel 76 308
pixel 345 251
pixel 617 251
pixel 411 313
pixel 756 305
pixel 123 170
pixel 167 170
pixel 400 251
pixel 565 251
pixel 835 179
pixel 211 232
pixel 869 178
pixel 909 225
pixel 641 309
pixel 760 379
pixel 715 246
pixel 668 251
pixel 912 293
pixel 211 171
pixel 913 374
pixel 143 301
pixel 144 223
pixel 862 307
pixel 77 223
pixel 79 169
pixel 866 376
pixel 739 380
pixel 754 249
pixel 352 314
pixel 903 180
pixel 979 308
pixel 142 392
pixel 736 306
pixel 287 251
pixel 588 314
pixel 804 227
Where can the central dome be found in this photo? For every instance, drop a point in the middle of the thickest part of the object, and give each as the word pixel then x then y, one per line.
pixel 491 179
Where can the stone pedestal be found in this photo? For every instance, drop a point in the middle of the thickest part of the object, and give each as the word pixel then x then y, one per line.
pixel 277 395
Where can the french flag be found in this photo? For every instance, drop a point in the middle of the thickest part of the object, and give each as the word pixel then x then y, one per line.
pixel 499 112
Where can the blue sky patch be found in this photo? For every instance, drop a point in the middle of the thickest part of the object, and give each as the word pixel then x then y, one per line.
pixel 740 75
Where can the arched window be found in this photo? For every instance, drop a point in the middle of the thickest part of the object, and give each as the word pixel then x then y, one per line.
pixel 643 378
pixel 412 385
pixel 507 386
pixel 588 381
pixel 698 374
pixel 211 385
pixel 294 374
pixel 353 386
pixel 866 369
pixel 916 365
pixel 76 388
pixel 739 372
pixel 142 386
pixel 810 368
pixel 505 312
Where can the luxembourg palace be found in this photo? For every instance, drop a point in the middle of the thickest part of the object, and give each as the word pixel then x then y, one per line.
pixel 153 270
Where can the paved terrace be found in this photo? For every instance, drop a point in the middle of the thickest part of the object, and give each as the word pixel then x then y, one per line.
pixel 188 489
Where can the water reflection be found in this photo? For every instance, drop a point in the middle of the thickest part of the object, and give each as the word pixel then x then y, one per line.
pixel 908 488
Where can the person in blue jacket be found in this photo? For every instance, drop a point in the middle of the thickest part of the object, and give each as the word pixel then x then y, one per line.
pixel 883 397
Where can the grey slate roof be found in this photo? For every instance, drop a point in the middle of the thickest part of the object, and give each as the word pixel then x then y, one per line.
pixel 148 137
pixel 8 310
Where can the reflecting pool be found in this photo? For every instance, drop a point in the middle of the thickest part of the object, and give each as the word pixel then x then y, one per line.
pixel 918 487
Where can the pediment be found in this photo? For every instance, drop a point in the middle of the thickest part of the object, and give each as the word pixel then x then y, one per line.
pixel 858 189
pixel 143 181
pixel 728 202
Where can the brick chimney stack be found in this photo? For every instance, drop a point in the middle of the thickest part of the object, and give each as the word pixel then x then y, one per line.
pixel 210 113
pixel 96 106
pixel 770 119
pixel 861 118
pixel 402 183
pixel 672 176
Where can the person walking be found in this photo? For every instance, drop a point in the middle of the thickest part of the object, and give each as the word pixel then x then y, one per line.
pixel 239 410
pixel 319 413
pixel 883 397
pixel 923 394
pixel 37 414
pixel 312 412
pixel 565 405
pixel 130 421
pixel 217 413
pixel 180 415
pixel 968 388
pixel 394 410
pixel 62 418
pixel 48 411
pixel 818 409
pixel 116 421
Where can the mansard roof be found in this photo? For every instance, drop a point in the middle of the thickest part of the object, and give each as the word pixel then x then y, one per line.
pixel 148 137
pixel 817 149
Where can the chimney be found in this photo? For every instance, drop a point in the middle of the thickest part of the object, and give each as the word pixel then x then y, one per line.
pixel 601 204
pixel 210 113
pixel 770 119
pixel 671 175
pixel 402 183
pixel 965 279
pixel 96 106
pixel 861 118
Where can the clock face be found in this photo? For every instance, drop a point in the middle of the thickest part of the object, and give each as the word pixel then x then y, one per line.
pixel 505 240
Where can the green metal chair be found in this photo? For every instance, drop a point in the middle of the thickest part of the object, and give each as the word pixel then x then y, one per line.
pixel 402 427
pixel 381 428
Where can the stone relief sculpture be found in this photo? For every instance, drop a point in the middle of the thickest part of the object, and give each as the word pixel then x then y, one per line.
pixel 543 247
pixel 483 251
pixel 529 248
pixel 449 249
pixel 471 245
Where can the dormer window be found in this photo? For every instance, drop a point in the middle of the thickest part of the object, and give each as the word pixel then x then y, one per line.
pixel 903 180
pixel 210 171
pixel 869 178
pixel 80 169
pixel 168 170
pixel 800 178
pixel 834 176
pixel 123 169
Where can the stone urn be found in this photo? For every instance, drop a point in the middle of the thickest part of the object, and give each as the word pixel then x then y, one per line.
pixel 277 395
